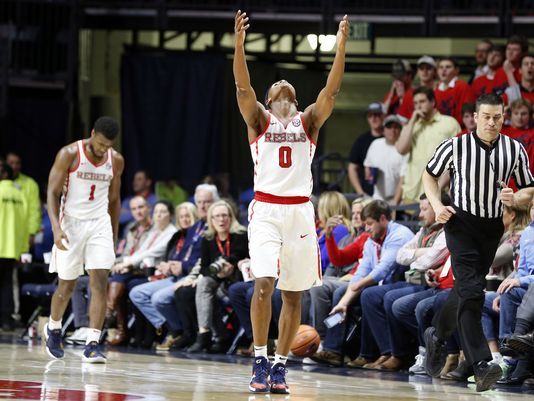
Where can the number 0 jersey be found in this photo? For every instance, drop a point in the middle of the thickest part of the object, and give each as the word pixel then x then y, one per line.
pixel 86 189
pixel 282 159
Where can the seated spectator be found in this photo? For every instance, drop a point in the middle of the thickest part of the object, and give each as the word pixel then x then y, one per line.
pixel 141 186
pixel 30 189
pixel 224 244
pixel 378 265
pixel 426 73
pixel 171 191
pixel 484 83
pixel 134 269
pixel 516 48
pixel 355 170
pixel 383 163
pixel 481 55
pixel 451 92
pixel 468 119
pixel 155 300
pixel 523 89
pixel 402 74
pixel 332 204
pixel 427 250
pixel 419 138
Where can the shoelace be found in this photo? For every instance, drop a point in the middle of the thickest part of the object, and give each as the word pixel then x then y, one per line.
pixel 278 375
pixel 261 371
pixel 420 360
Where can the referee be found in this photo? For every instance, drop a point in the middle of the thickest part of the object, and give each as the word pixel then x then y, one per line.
pixel 479 164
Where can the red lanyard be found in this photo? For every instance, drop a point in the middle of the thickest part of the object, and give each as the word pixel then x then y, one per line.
pixel 227 246
pixel 180 244
pixel 137 236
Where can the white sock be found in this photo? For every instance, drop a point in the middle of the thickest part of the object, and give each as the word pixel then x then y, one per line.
pixel 497 357
pixel 279 359
pixel 53 324
pixel 261 351
pixel 93 335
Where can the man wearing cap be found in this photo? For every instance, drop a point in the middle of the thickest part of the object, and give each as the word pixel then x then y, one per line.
pixel 383 163
pixel 426 73
pixel 484 84
pixel 402 82
pixel 419 138
pixel 375 117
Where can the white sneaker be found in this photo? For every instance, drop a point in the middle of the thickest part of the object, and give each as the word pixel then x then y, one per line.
pixel 419 367
pixel 78 337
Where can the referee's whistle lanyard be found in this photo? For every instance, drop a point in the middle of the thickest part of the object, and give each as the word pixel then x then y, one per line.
pixel 225 251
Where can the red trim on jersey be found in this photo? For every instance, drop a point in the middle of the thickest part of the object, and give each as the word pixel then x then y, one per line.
pixel 264 130
pixel 62 211
pixel 110 157
pixel 305 128
pixel 71 170
pixel 252 211
pixel 90 161
pixel 282 200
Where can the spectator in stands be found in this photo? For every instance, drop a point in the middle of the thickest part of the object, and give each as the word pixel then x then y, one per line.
pixel 224 244
pixel 135 269
pixel 427 250
pixel 383 163
pixel 332 203
pixel 451 92
pixel 426 129
pixel 378 266
pixel 523 89
pixel 375 117
pixel 481 55
pixel 402 83
pixel 484 84
pixel 516 48
pixel 171 267
pixel 468 119
pixel 343 263
pixel 13 239
pixel 155 300
pixel 141 185
pixel 426 73
pixel 520 128
pixel 170 190
pixel 30 189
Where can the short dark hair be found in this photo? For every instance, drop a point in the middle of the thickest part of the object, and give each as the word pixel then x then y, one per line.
pixel 489 98
pixel 429 93
pixel 167 204
pixel 375 209
pixel 519 40
pixel 7 170
pixel 451 59
pixel 468 108
pixel 445 198
pixel 107 126
pixel 497 48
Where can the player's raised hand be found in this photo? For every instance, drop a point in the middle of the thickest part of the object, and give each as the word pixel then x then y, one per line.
pixel 240 27
pixel 343 30
pixel 507 194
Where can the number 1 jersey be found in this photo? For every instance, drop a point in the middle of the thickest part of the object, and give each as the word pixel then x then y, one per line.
pixel 86 189
pixel 282 158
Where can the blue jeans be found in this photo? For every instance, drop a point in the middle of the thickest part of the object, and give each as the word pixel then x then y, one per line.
pixel 156 302
pixel 377 303
pixel 510 301
pixel 490 318
pixel 335 336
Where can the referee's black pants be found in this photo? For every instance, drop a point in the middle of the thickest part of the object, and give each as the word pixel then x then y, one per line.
pixel 472 242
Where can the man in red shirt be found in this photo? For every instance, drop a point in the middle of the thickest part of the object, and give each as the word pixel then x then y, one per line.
pixel 484 83
pixel 402 82
pixel 451 92
pixel 468 118
pixel 525 89
pixel 519 128
pixel 516 48
pixel 426 73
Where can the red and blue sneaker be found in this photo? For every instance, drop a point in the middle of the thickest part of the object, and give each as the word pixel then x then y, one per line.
pixel 278 379
pixel 260 373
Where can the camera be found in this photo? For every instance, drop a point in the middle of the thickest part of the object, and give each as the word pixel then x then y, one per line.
pixel 217 265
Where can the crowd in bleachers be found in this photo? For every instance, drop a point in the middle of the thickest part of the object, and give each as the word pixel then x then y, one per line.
pixel 182 268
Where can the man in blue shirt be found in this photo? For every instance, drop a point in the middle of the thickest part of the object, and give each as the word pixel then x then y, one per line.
pixel 378 266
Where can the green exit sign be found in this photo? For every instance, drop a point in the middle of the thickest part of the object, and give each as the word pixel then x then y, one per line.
pixel 360 30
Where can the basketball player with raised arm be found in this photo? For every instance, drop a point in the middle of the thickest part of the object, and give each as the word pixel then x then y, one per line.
pixel 86 175
pixel 282 237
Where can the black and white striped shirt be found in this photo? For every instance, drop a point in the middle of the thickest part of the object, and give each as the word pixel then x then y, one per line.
pixel 477 169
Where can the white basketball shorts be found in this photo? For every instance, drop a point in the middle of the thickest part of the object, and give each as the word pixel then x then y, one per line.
pixel 283 244
pixel 90 246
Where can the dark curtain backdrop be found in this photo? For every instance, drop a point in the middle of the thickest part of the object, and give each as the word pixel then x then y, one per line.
pixel 180 114
pixel 172 107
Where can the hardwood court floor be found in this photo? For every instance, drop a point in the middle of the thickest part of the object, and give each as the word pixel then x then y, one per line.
pixel 26 373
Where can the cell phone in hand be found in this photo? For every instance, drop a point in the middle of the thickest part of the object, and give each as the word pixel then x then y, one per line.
pixel 333 320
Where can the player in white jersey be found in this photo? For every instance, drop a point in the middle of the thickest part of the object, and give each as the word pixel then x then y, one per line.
pixel 86 175
pixel 282 237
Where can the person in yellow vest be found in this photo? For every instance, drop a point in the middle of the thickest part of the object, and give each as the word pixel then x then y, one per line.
pixel 13 239
pixel 30 190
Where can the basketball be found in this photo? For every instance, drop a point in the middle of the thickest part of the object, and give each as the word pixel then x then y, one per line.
pixel 306 341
